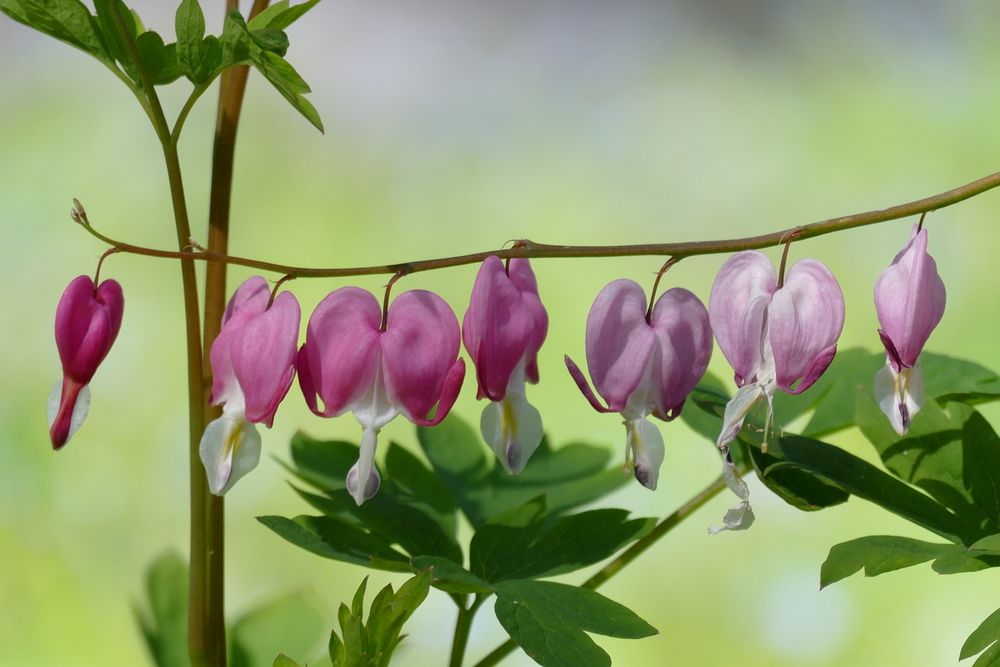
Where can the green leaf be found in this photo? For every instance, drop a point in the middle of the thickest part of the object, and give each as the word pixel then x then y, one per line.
pixel 235 40
pixel 419 486
pixel 832 397
pixel 284 661
pixel 799 488
pixel 549 620
pixel 864 480
pixel 989 658
pixel 414 530
pixel 286 81
pixel 877 554
pixel 950 451
pixel 271 40
pixel 279 15
pixel 165 625
pixel 449 576
pixel 982 637
pixel 115 43
pixel 371 644
pixel 336 539
pixel 571 476
pixel 323 464
pixel 189 23
pixel 522 544
pixel 67 20
pixel 159 59
pixel 959 560
pixel 293 623
pixel 950 379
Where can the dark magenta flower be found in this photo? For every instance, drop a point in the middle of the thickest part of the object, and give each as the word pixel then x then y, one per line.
pixel 87 323
pixel 349 364
pixel 503 330
pixel 253 364
pixel 909 301
pixel 644 368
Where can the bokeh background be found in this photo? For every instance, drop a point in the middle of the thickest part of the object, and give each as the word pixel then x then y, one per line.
pixel 454 127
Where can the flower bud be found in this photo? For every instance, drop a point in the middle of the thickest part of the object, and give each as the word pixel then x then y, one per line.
pixel 87 323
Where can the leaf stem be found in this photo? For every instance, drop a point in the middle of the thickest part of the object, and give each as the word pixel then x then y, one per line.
pixel 627 556
pixel 462 626
pixel 529 249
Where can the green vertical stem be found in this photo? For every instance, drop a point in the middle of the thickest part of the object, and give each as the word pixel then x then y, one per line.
pixel 206 631
pixel 207 603
pixel 462 626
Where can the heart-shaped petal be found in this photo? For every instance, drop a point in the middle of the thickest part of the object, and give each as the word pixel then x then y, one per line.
pixel 680 323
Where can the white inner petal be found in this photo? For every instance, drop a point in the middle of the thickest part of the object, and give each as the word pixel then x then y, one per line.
pixel 899 395
pixel 363 480
pixel 513 429
pixel 644 451
pixel 80 410
pixel 229 449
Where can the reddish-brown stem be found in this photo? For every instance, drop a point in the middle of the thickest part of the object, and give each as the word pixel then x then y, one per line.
pixel 277 286
pixel 385 299
pixel 656 284
pixel 920 225
pixel 532 250
pixel 792 235
pixel 100 263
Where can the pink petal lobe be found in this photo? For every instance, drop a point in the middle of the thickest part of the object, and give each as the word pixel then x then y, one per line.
pixel 87 323
pixel 680 323
pixel 59 432
pixel 248 301
pixel 581 382
pixel 263 355
pixel 337 364
pixel 497 328
pixel 805 319
pixel 740 296
pixel 524 278
pixel 910 299
pixel 419 351
pixel 619 342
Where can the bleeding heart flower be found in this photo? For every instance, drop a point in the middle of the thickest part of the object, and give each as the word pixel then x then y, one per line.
pixel 87 323
pixel 909 300
pixel 503 330
pixel 350 363
pixel 253 364
pixel 644 367
pixel 774 338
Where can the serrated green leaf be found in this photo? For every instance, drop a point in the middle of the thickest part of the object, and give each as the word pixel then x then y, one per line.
pixel 989 658
pixel 949 379
pixel 570 476
pixel 67 20
pixel 165 626
pixel 877 554
pixel 286 81
pixel 293 624
pixel 989 544
pixel 549 622
pixel 450 577
pixel 199 57
pixel 338 540
pixel 280 15
pixel 159 59
pixel 986 634
pixel 522 544
pixel 960 560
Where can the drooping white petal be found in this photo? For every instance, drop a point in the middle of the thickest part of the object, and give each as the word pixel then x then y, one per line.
pixel 363 479
pixel 645 451
pixel 229 449
pixel 80 409
pixel 737 409
pixel 899 395
pixel 740 516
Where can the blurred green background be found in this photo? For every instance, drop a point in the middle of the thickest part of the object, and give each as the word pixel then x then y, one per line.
pixel 454 127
